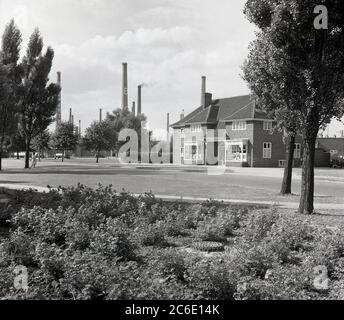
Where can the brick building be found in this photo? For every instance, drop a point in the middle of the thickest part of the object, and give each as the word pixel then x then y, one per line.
pixel 231 132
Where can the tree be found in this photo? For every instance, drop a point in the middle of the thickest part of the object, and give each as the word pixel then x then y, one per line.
pixel 277 95
pixel 39 99
pixel 65 138
pixel 124 119
pixel 41 143
pixel 9 82
pixel 316 58
pixel 17 143
pixel 100 136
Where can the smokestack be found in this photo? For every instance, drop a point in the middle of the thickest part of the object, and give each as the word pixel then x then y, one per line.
pixel 125 87
pixel 70 115
pixel 139 102
pixel 168 127
pixel 203 93
pixel 133 109
pixel 100 115
pixel 59 105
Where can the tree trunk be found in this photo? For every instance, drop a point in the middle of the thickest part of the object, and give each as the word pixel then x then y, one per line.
pixel 288 170
pixel 39 155
pixel 97 157
pixel 27 154
pixel 1 148
pixel 18 157
pixel 63 154
pixel 307 184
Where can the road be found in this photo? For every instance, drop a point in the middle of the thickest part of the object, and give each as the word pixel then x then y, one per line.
pixel 248 184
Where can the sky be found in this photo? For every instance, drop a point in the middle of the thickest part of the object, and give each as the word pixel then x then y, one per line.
pixel 167 44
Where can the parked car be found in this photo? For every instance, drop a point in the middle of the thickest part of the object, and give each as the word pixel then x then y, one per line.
pixel 337 160
pixel 59 156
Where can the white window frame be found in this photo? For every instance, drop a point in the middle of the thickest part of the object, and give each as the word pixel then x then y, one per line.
pixel 182 133
pixel 196 128
pixel 239 125
pixel 297 151
pixel 267 125
pixel 190 158
pixel 267 151
pixel 282 163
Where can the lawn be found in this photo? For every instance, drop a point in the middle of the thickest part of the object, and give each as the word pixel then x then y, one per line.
pixel 82 243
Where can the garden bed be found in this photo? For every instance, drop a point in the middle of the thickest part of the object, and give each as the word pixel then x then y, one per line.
pixel 80 243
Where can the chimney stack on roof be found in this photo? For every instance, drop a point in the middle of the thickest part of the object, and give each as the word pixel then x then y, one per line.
pixel 182 115
pixel 203 93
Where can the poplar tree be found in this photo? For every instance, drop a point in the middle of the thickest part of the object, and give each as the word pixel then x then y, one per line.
pixel 39 99
pixel 10 78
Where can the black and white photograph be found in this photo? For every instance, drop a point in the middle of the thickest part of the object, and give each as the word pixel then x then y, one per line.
pixel 156 151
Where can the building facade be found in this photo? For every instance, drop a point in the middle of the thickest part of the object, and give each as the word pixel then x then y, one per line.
pixel 230 132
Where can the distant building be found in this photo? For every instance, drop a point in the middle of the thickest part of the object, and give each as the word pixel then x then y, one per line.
pixel 243 135
pixel 333 146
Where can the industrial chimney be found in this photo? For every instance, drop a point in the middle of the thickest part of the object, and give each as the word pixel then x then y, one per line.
pixel 70 115
pixel 168 127
pixel 100 115
pixel 125 87
pixel 133 109
pixel 139 102
pixel 59 105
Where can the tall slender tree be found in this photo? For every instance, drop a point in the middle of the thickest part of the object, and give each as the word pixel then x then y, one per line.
pixel 315 51
pixel 10 79
pixel 39 99
pixel 277 95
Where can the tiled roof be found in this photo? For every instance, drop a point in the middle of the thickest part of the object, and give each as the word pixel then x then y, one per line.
pixel 331 144
pixel 236 108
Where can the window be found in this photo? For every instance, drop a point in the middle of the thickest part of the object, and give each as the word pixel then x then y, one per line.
pixel 182 133
pixel 192 152
pixel 239 125
pixel 334 151
pixel 267 126
pixel 297 151
pixel 267 150
pixel 197 128
pixel 282 163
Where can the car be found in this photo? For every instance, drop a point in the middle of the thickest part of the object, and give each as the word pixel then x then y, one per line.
pixel 337 160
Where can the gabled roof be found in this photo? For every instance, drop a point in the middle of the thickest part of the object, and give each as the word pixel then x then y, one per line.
pixel 224 110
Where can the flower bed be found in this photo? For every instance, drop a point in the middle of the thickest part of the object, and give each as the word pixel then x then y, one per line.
pixel 80 243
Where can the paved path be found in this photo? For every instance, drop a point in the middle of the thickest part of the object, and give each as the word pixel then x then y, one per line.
pixel 285 205
pixel 244 185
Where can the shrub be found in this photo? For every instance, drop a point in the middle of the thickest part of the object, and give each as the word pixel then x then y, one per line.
pixel 216 228
pixel 153 235
pixel 171 263
pixel 211 279
pixel 260 224
pixel 111 240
